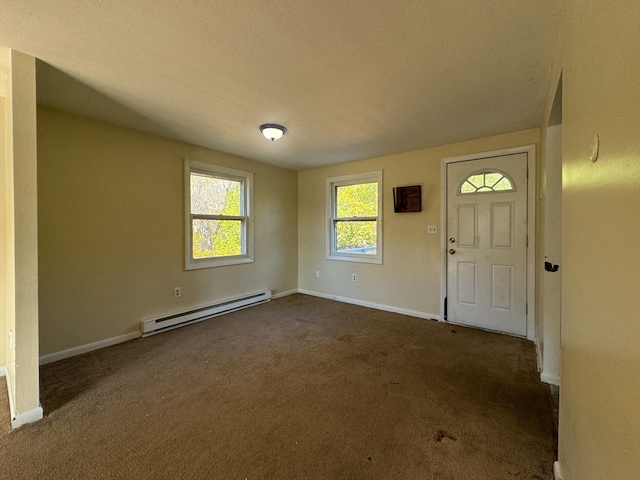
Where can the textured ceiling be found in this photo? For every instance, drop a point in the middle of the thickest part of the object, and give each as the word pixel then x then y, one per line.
pixel 350 79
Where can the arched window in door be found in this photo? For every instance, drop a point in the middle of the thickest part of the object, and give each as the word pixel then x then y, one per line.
pixel 485 182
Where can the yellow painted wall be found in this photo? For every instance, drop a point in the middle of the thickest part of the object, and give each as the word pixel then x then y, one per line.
pixel 19 246
pixel 550 291
pixel 111 231
pixel 409 277
pixel 599 434
pixel 4 338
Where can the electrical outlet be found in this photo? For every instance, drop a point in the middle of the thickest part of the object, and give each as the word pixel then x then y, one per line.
pixel 353 277
pixel 177 292
pixel 432 229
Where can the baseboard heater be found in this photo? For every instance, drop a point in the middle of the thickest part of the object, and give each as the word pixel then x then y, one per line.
pixel 162 324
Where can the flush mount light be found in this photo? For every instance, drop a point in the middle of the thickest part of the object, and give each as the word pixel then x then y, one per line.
pixel 272 131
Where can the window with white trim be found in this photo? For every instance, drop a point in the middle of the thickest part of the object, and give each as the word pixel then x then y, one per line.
pixel 218 228
pixel 486 181
pixel 354 211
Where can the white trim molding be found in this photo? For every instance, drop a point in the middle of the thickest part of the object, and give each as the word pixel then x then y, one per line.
pixel 557 471
pixel 549 378
pixel 284 294
pixel 530 150
pixel 90 347
pixel 332 217
pixel 20 419
pixel 377 306
pixel 245 216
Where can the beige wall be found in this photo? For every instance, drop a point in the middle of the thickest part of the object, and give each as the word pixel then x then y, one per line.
pixel 550 235
pixel 20 247
pixel 111 231
pixel 409 277
pixel 599 55
pixel 4 131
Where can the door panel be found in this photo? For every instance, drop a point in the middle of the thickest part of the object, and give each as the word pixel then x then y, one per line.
pixel 487 248
pixel 467 225
pixel 467 283
pixel 502 286
pixel 501 225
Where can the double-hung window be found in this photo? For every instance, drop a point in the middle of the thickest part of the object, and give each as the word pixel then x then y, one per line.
pixel 218 216
pixel 354 211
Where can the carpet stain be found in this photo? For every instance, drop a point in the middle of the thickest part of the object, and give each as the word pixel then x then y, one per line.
pixel 360 357
pixel 443 436
pixel 347 337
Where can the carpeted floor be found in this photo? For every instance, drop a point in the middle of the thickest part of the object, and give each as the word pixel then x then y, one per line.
pixel 298 388
pixel 5 415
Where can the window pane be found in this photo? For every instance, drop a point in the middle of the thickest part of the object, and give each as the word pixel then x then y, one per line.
pixel 216 238
pixel 357 200
pixel 486 182
pixel 467 188
pixel 215 196
pixel 356 237
pixel 503 184
pixel 476 180
pixel 491 178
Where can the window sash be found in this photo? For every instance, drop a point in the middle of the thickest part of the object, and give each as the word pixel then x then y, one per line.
pixel 333 251
pixel 345 251
pixel 243 243
pixel 202 216
pixel 194 261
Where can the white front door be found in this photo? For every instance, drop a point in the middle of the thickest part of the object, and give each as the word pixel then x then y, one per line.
pixel 487 243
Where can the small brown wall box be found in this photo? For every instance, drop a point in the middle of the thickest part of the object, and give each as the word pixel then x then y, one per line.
pixel 407 199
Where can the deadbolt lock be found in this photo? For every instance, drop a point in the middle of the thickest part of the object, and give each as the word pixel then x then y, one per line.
pixel 452 240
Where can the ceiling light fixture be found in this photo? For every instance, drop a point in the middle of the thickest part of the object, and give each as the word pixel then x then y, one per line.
pixel 272 131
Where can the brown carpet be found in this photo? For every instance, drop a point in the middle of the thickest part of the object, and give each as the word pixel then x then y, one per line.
pixel 299 388
pixel 5 410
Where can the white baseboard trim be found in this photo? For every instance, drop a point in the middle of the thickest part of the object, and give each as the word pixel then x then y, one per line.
pixel 284 294
pixel 20 419
pixel 557 471
pixel 72 352
pixel 538 354
pixel 550 378
pixel 31 416
pixel 377 306
pixel 90 347
pixel 12 409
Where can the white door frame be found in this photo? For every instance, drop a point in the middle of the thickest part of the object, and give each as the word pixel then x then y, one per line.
pixel 530 150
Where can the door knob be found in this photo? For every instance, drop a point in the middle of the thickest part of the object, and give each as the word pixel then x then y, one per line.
pixel 452 251
pixel 452 240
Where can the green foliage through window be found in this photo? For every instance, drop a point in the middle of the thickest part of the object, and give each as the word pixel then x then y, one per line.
pixel 486 182
pixel 356 222
pixel 359 200
pixel 218 197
